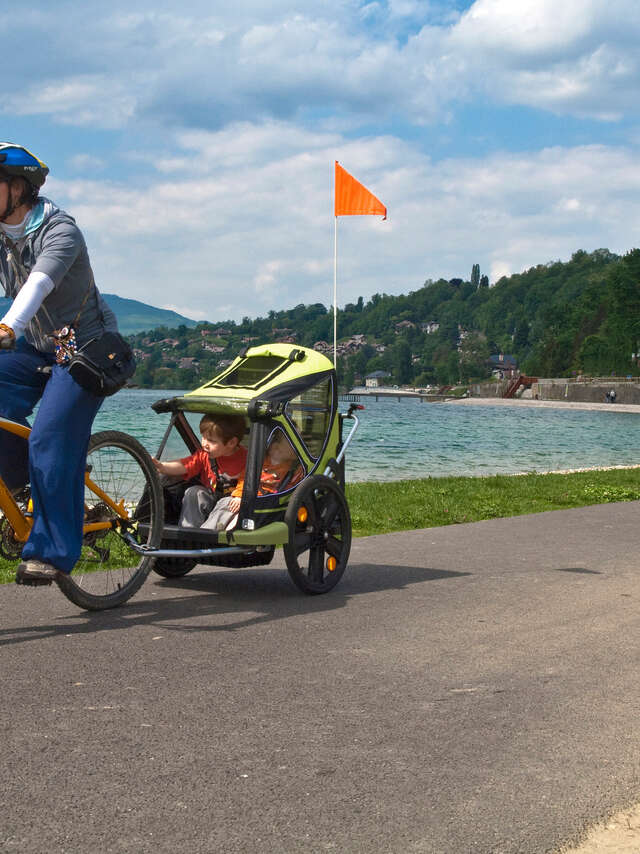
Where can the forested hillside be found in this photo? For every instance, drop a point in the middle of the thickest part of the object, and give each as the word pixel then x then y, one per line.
pixel 556 319
pixel 580 316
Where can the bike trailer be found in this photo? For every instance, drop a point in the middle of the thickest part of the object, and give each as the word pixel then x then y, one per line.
pixel 285 393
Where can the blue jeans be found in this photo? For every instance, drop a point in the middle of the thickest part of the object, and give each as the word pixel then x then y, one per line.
pixel 54 460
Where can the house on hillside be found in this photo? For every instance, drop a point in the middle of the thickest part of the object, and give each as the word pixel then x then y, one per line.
pixel 188 362
pixel 403 325
pixel 503 366
pixel 353 344
pixel 431 326
pixel 376 379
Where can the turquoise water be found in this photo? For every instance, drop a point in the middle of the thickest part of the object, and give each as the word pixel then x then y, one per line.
pixel 410 439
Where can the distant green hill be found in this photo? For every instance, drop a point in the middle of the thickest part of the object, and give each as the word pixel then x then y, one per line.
pixel 134 316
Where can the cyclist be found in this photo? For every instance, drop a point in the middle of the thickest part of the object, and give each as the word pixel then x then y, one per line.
pixel 45 270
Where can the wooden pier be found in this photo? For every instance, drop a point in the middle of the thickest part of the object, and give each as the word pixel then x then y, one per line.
pixel 355 395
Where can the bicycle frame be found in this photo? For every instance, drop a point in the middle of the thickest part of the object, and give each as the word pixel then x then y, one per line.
pixel 21 524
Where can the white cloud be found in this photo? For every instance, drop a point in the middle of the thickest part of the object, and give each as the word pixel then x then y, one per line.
pixel 84 162
pixel 577 57
pixel 526 27
pixel 498 269
pixel 247 240
pixel 223 123
pixel 267 275
pixel 93 100
pixel 205 68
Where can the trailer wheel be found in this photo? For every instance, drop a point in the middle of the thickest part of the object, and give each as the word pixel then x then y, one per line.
pixel 319 525
pixel 171 567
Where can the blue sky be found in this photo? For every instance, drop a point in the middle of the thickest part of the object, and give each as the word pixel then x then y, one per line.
pixel 194 142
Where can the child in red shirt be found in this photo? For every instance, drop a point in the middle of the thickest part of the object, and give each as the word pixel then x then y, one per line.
pixel 281 469
pixel 219 465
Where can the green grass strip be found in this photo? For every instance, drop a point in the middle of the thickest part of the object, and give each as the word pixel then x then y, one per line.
pixel 381 508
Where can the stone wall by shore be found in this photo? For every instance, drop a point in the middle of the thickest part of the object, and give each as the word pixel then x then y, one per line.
pixel 589 392
pixel 577 391
pixel 495 389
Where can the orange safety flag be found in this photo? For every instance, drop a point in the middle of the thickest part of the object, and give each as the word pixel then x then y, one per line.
pixel 352 198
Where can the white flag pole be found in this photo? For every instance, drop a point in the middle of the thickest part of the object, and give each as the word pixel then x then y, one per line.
pixel 335 292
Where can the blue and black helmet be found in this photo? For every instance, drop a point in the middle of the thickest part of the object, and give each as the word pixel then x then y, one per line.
pixel 17 161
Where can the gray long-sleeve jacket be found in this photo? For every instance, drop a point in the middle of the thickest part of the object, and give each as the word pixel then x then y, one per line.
pixel 57 248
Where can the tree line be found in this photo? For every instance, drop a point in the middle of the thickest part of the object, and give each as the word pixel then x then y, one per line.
pixel 556 319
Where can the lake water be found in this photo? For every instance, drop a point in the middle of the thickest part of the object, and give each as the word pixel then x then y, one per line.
pixel 410 439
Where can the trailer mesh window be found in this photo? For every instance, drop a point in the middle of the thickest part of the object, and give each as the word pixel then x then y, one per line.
pixel 310 414
pixel 252 372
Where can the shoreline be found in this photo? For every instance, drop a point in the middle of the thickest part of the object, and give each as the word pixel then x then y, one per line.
pixel 620 467
pixel 617 467
pixel 632 408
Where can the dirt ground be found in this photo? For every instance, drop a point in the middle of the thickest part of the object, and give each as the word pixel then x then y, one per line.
pixel 619 835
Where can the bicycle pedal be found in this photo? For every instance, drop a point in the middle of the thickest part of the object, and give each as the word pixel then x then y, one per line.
pixel 34 582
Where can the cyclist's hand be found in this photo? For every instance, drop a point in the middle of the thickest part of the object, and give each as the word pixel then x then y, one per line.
pixel 7 340
pixel 234 505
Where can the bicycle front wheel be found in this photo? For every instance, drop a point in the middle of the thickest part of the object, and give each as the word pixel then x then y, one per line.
pixel 109 570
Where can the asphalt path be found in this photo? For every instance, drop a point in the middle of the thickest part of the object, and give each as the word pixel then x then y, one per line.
pixel 465 689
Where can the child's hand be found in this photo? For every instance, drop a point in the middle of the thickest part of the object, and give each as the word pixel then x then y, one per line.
pixel 172 468
pixel 234 505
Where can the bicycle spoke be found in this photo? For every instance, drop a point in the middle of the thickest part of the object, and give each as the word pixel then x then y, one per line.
pixel 334 547
pixel 316 564
pixel 331 511
pixel 109 571
pixel 302 542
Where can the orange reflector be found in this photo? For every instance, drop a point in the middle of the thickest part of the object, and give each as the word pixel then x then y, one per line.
pixel 30 506
pixel 303 514
pixel 331 564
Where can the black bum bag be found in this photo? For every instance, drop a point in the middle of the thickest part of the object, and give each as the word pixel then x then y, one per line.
pixel 103 365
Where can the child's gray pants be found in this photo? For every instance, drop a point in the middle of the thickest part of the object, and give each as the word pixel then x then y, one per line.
pixel 200 510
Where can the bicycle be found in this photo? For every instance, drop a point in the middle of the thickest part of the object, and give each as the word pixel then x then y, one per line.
pixel 283 391
pixel 123 517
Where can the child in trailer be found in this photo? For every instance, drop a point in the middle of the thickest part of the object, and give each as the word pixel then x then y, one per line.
pixel 218 465
pixel 281 469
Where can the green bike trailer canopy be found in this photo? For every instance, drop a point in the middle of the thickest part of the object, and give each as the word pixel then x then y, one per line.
pixel 258 383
